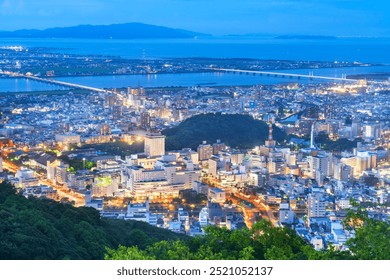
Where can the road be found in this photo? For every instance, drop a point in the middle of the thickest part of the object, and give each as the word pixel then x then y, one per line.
pixel 62 192
pixel 265 211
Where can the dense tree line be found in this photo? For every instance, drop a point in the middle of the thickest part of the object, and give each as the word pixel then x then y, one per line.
pixel 237 131
pixel 118 148
pixel 338 145
pixel 264 241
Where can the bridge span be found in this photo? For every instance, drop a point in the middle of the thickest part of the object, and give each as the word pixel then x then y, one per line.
pixel 298 76
pixel 54 82
pixel 65 84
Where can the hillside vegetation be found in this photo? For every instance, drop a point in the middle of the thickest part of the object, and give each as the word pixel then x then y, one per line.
pixel 237 131
pixel 44 229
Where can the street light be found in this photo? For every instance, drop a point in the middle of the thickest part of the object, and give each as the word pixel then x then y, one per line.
pixel 83 163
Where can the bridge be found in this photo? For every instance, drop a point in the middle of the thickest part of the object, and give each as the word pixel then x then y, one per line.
pixel 298 76
pixel 65 84
pixel 54 82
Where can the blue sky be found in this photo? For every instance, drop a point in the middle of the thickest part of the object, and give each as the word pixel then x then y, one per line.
pixel 218 17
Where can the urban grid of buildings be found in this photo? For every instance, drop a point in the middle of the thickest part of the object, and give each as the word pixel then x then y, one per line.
pixel 297 183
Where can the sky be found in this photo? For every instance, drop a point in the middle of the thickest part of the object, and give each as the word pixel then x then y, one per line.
pixel 216 17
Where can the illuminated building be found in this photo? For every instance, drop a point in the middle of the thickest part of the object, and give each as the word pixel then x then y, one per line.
pixel 315 204
pixel 145 120
pixel 320 165
pixel 154 145
pixel 372 131
pixel 203 217
pixel 218 147
pixel 56 172
pixel 138 211
pixel 26 178
pixel 213 166
pixel 110 100
pixel 105 185
pixel 116 112
pixel 205 151
pixel 286 214
pixel 104 129
pixel 217 195
pixel 67 139
pixel 342 172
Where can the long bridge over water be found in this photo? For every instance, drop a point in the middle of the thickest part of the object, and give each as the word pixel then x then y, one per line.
pixel 261 73
pixel 298 76
pixel 54 82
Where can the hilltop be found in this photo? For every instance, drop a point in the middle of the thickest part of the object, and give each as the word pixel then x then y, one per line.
pixel 237 131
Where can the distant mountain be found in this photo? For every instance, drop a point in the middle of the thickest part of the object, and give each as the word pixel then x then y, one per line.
pixel 115 31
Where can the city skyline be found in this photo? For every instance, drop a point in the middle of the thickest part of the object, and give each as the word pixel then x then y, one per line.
pixel 137 142
pixel 335 17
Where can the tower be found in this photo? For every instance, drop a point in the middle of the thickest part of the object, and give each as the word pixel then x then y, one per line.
pixel 270 143
pixel 312 137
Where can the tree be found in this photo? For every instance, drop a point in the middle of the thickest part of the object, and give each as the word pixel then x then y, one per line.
pixel 126 253
pixel 372 237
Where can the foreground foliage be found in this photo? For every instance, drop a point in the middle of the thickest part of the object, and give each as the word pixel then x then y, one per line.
pixel 44 229
pixel 263 241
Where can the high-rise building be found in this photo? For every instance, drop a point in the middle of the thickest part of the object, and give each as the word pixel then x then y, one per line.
pixel 276 165
pixel 205 151
pixel 132 91
pixel 145 120
pixel 320 163
pixel 154 145
pixel 365 161
pixel 312 112
pixel 356 128
pixel 342 172
pixel 1 164
pixel 104 129
pixel 110 100
pixel 315 204
pixel 141 91
pixel 116 112
pixel 61 174
pixel 372 131
pixel 213 166
pixel 218 147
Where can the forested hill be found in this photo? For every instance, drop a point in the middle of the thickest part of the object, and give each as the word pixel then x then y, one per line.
pixel 44 229
pixel 237 131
